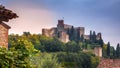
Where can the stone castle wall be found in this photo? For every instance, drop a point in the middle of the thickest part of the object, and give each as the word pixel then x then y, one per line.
pixel 64 37
pixel 49 32
pixel 61 27
pixel 98 51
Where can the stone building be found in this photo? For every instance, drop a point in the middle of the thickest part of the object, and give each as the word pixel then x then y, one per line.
pixel 4 28
pixel 65 32
pixel 98 51
pixel 5 16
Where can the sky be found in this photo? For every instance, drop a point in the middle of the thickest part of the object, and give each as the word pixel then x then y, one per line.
pixel 97 15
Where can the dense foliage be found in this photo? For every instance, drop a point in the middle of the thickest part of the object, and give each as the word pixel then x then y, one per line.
pixel 17 55
pixel 22 54
pixel 78 60
pixel 38 51
pixel 117 52
pixel 45 52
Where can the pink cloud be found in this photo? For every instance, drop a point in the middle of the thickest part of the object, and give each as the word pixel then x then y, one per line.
pixel 31 19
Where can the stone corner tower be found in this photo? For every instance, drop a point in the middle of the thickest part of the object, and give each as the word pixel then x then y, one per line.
pixel 98 51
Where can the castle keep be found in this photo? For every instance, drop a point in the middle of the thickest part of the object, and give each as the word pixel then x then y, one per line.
pixel 65 32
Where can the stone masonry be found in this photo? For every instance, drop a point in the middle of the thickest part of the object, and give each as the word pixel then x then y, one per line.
pixel 4 35
pixel 62 32
pixel 109 63
pixel 98 51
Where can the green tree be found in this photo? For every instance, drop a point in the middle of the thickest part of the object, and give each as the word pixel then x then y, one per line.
pixel 6 58
pixel 34 39
pixel 24 50
pixel 118 51
pixel 112 51
pixel 18 55
pixel 72 47
pixel 26 33
pixel 100 41
pixel 54 45
pixel 94 61
pixel 108 49
pixel 104 51
pixel 45 60
pixel 94 37
pixel 78 60
pixel 90 35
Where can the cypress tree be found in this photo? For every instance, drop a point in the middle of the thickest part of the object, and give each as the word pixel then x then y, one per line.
pixel 100 41
pixel 72 33
pixel 90 35
pixel 118 51
pixel 108 49
pixel 94 37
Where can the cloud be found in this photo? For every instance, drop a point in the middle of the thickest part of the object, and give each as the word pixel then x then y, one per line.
pixel 30 19
pixel 99 15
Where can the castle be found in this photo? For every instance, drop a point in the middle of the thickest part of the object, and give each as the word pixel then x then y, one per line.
pixel 66 33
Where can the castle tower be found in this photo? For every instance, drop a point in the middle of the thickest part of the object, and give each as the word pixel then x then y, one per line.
pixel 60 25
pixel 98 51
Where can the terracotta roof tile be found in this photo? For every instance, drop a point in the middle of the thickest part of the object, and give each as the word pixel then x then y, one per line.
pixel 5 25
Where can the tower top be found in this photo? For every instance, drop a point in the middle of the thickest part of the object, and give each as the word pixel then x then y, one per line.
pixel 60 22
